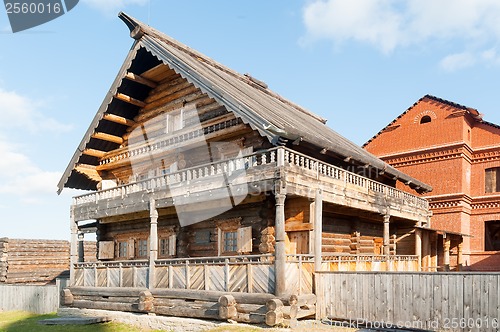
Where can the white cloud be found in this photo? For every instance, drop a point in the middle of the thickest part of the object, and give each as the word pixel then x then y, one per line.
pixel 22 112
pixel 390 24
pixel 111 7
pixel 19 176
pixel 458 61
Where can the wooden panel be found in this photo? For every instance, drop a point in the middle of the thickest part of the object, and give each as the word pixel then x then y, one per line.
pixel 106 250
pixel 178 277
pixel 161 274
pixel 89 277
pixel 238 281
pixel 427 300
pixel 79 277
pixel 102 279
pixel 141 277
pixel 216 278
pixel 113 278
pixel 35 299
pixel 127 277
pixel 197 277
pixel 263 278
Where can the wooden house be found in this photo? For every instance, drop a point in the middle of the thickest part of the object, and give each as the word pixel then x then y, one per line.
pixel 451 147
pixel 207 186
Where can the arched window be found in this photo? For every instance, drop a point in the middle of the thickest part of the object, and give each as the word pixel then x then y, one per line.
pixel 425 119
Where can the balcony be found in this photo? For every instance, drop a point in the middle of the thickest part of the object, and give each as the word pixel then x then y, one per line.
pixel 255 173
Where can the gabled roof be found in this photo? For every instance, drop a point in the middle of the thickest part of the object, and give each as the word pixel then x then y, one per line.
pixel 249 99
pixel 472 111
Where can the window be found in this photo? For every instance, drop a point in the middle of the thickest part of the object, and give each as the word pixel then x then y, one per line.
pixel 492 235
pixel 234 240
pixel 122 249
pixel 425 119
pixel 142 248
pixel 202 236
pixel 167 246
pixel 230 242
pixel 492 180
pixel 174 121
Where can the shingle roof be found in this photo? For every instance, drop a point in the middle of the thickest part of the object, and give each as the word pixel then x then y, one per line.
pixel 272 115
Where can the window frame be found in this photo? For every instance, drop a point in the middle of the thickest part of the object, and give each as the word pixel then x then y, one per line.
pixel 492 180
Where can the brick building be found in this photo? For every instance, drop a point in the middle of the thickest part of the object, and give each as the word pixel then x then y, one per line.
pixel 451 147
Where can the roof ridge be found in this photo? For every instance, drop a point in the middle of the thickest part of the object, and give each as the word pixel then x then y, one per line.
pixel 136 25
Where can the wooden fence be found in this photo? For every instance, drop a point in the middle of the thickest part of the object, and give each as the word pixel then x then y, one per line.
pixel 445 301
pixel 39 299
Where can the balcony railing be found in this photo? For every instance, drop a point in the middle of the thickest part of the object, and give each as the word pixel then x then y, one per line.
pixel 289 158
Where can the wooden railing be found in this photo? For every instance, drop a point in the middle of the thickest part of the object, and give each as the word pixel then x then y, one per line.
pixel 346 262
pixel 248 273
pixel 289 158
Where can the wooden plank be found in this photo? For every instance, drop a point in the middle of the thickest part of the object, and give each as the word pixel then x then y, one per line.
pixel 108 137
pixel 130 100
pixel 118 119
pixel 141 80
pixel 94 153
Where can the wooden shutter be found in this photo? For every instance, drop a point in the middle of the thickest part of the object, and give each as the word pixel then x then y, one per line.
pixel 106 250
pixel 172 246
pixel 245 239
pixel 131 248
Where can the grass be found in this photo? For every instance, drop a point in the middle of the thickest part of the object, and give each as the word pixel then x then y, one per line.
pixel 20 321
pixel 26 322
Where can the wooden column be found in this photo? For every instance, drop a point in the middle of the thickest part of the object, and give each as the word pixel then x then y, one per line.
pixel 460 259
pixel 153 241
pixel 318 229
pixel 418 247
pixel 446 248
pixel 280 250
pixel 73 250
pixel 387 240
pixel 81 249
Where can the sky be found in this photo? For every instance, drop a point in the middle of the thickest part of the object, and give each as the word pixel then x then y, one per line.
pixel 358 64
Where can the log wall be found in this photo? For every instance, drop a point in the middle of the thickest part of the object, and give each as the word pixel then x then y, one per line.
pixel 200 239
pixel 25 261
pixel 161 119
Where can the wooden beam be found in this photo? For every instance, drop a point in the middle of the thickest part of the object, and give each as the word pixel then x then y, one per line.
pixel 118 119
pixel 94 153
pixel 318 229
pixel 130 100
pixel 108 137
pixel 141 80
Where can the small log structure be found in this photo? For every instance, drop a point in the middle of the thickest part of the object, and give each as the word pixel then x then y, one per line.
pixel 29 261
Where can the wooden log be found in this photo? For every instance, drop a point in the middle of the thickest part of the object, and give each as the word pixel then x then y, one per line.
pixel 248 298
pixel 146 301
pixel 251 308
pixel 252 318
pixel 227 300
pixel 130 100
pixel 107 291
pixel 68 298
pixel 274 318
pixel 116 306
pixel 274 304
pixel 227 312
pixel 141 80
pixel 208 310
